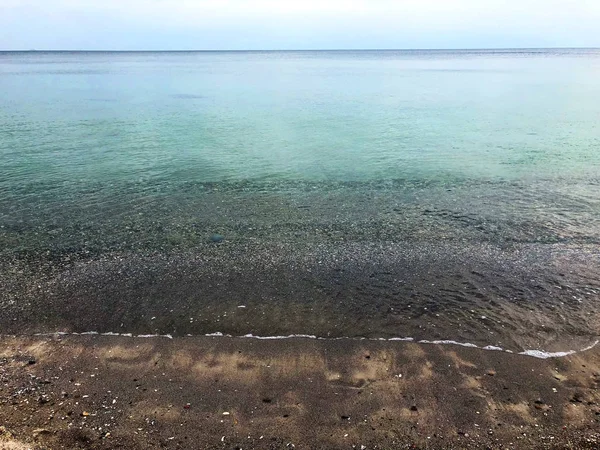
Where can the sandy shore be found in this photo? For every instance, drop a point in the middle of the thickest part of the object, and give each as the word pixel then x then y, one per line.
pixel 224 393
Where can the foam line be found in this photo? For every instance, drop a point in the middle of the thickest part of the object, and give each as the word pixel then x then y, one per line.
pixel 541 354
pixel 545 355
pixel 447 342
pixel 291 336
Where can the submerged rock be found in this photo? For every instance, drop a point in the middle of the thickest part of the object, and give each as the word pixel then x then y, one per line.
pixel 217 238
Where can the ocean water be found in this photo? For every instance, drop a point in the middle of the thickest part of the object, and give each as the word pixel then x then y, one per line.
pixel 431 194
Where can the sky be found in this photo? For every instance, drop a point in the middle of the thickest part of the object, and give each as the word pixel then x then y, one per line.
pixel 296 24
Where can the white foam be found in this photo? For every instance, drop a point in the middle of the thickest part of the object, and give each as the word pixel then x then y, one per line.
pixel 291 336
pixel 589 347
pixel 168 336
pixel 541 354
pixel 533 353
pixel 545 355
pixel 447 342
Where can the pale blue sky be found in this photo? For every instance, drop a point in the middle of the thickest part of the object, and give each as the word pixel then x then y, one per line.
pixel 296 24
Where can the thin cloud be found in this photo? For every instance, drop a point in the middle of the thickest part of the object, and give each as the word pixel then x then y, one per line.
pixel 297 23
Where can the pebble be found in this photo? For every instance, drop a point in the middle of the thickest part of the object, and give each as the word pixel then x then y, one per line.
pixel 39 431
pixel 577 398
pixel 217 238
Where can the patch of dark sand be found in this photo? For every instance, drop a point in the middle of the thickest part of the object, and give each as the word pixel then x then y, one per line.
pixel 102 392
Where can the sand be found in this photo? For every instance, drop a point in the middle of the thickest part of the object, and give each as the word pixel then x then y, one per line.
pixel 105 392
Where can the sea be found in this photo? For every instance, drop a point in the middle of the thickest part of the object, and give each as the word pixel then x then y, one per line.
pixel 437 195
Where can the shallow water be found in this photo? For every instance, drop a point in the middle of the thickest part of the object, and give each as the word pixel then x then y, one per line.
pixel 432 194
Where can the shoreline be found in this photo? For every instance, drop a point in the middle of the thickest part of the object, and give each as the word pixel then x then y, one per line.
pixel 534 297
pixel 469 261
pixel 132 392
pixel 535 353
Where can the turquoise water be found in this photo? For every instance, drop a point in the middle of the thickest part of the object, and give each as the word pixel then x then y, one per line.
pixel 108 157
pixel 112 117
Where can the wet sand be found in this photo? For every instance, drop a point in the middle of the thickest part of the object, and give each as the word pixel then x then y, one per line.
pixel 105 392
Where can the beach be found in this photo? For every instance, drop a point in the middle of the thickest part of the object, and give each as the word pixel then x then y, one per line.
pixel 101 392
pixel 300 249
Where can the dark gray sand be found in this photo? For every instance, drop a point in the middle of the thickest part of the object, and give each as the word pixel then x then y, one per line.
pixel 107 392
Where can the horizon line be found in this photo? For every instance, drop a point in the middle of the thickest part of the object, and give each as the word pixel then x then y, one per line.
pixel 290 50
